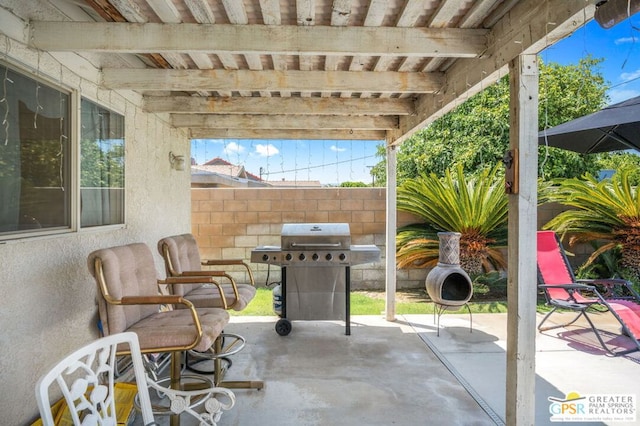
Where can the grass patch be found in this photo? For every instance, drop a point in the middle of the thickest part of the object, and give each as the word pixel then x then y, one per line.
pixel 261 305
pixel 369 303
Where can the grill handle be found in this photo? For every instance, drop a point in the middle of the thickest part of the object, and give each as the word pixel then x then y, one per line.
pixel 316 244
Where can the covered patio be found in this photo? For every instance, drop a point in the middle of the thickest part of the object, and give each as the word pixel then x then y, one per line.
pixel 311 69
pixel 403 373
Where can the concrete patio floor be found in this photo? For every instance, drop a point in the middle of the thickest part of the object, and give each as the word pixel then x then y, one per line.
pixel 402 373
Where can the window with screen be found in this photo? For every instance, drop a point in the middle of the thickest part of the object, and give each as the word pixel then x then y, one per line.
pixel 35 160
pixel 101 166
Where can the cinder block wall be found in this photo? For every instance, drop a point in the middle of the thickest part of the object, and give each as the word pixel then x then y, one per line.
pixel 230 222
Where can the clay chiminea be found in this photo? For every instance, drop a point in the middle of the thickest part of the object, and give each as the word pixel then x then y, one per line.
pixel 448 285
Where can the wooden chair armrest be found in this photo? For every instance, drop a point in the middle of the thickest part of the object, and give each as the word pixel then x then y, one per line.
pixel 192 279
pixel 239 262
pixel 151 300
pixel 213 262
pixel 160 299
pixel 199 279
pixel 168 299
pixel 203 273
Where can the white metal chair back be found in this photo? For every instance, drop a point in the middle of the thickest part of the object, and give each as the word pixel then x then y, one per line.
pixel 86 379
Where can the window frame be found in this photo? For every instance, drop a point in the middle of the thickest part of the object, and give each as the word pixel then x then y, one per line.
pixel 78 145
pixel 75 128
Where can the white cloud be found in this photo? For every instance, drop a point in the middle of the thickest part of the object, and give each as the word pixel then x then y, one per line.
pixel 616 95
pixel 626 76
pixel 337 149
pixel 266 150
pixel 625 40
pixel 233 148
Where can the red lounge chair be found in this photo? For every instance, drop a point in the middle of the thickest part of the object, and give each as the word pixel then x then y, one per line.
pixel 563 290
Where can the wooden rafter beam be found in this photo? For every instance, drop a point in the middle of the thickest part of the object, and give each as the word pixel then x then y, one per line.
pixel 110 13
pixel 280 122
pixel 315 134
pixel 233 80
pixel 312 106
pixel 263 39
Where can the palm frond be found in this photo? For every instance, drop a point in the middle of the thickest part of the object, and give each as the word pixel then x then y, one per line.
pixel 476 207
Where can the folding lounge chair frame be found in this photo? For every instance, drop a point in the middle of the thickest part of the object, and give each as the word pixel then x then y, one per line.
pixel 563 291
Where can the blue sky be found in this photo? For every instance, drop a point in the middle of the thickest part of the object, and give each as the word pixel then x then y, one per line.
pixel 331 162
pixel 618 46
pixel 327 161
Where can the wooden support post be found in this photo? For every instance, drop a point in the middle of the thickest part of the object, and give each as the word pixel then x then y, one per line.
pixel 521 323
pixel 390 282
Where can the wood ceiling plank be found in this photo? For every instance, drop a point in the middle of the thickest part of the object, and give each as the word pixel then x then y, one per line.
pixel 201 11
pixel 306 12
pixel 289 40
pixel 311 134
pixel 311 81
pixel 237 15
pixel 375 16
pixel 313 106
pixel 284 121
pixel 271 16
pixel 340 14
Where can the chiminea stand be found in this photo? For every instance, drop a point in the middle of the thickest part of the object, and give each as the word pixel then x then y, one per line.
pixel 439 309
pixel 448 285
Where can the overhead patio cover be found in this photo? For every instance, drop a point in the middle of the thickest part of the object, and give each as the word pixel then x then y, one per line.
pixel 614 128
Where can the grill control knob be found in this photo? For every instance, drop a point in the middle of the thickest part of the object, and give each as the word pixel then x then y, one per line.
pixel 328 256
pixel 288 256
pixel 265 257
pixel 342 256
pixel 302 256
pixel 315 256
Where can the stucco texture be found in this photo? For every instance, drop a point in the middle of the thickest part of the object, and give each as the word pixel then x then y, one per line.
pixel 48 297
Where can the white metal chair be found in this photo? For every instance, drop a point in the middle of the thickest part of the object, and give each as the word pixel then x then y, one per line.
pixel 87 381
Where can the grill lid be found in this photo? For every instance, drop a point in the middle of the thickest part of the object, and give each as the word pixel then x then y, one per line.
pixel 316 235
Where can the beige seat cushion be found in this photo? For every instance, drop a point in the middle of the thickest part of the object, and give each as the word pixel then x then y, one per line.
pixel 184 256
pixel 129 270
pixel 176 328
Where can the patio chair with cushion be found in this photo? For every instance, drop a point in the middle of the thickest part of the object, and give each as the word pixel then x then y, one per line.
pixel 129 300
pixel 91 394
pixel 182 259
pixel 563 291
pixel 204 289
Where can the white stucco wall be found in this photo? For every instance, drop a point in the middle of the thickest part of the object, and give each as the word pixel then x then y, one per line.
pixel 48 296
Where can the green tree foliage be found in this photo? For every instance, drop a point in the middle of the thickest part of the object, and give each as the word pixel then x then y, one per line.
pixel 102 164
pixel 476 207
pixel 618 161
pixel 476 133
pixel 351 184
pixel 607 211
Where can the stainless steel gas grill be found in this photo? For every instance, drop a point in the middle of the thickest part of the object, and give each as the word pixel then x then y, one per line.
pixel 315 259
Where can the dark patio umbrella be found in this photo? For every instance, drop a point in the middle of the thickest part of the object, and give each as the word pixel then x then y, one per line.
pixel 616 127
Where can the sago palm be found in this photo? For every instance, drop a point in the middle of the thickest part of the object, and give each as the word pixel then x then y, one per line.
pixel 476 207
pixel 608 211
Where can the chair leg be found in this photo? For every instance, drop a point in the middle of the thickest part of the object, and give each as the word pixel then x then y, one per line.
pixel 220 371
pixel 593 328
pixel 604 345
pixel 540 328
pixel 175 382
